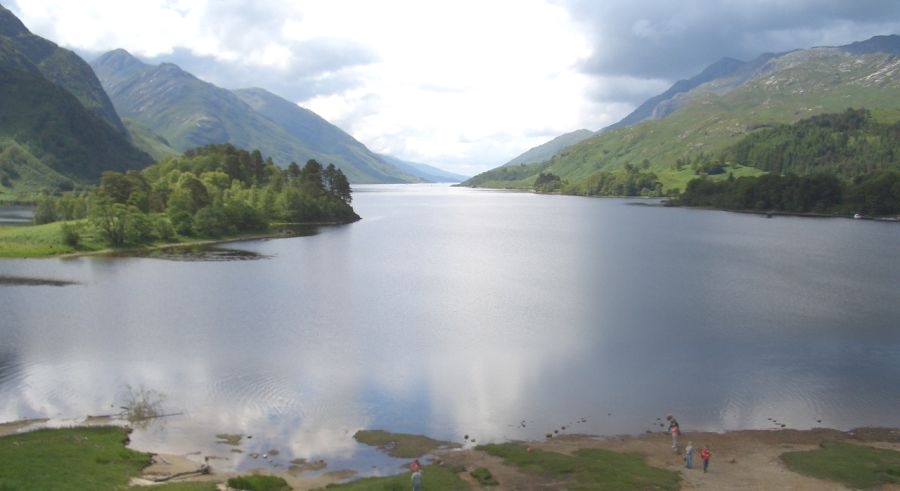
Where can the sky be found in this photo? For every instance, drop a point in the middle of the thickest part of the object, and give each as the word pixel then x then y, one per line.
pixel 465 85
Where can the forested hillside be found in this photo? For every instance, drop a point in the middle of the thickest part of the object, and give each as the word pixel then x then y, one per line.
pixel 844 163
pixel 848 144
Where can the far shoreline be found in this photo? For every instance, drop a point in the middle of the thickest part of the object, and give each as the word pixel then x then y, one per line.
pixel 666 202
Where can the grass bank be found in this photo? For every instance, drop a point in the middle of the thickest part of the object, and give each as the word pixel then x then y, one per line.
pixel 401 445
pixel 588 468
pixel 41 241
pixel 855 466
pixel 48 240
pixel 69 458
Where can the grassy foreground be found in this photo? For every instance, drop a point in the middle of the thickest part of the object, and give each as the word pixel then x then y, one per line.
pixel 592 468
pixel 855 466
pixel 69 458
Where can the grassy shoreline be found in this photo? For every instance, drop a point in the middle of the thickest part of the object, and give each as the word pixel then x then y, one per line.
pixel 45 241
pixel 98 457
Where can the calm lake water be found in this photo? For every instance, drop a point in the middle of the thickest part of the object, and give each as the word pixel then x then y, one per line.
pixel 458 312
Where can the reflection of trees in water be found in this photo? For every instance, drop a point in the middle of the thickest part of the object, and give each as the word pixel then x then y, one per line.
pixel 196 253
pixel 142 405
pixel 22 281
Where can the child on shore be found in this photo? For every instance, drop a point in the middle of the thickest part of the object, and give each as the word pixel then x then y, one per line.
pixel 675 430
pixel 417 480
pixel 689 455
pixel 704 455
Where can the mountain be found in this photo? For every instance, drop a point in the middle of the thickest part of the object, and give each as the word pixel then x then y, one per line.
pixel 698 119
pixel 424 171
pixel 49 140
pixel 547 150
pixel 187 112
pixel 60 66
pixel 323 137
pixel 660 106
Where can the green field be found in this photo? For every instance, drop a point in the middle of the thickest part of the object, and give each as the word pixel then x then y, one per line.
pixel 401 445
pixel 69 458
pixel 587 468
pixel 855 466
pixel 43 240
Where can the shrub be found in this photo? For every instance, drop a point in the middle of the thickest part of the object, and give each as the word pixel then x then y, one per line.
pixel 258 483
pixel 70 235
pixel 484 477
pixel 182 222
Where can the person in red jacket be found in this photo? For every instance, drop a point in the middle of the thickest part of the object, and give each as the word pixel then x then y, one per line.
pixel 704 456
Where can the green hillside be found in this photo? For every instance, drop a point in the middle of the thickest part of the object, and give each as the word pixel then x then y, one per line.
pixel 55 132
pixel 60 66
pixel 547 150
pixel 786 89
pixel 145 139
pixel 48 140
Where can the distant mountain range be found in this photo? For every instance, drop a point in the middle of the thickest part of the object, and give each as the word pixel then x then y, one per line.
pixel 706 114
pixel 425 171
pixel 187 112
pixel 58 128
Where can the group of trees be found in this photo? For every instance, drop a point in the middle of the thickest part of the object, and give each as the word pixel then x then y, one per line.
pixel 877 193
pixel 848 144
pixel 208 192
pixel 629 181
pixel 831 163
pixel 547 183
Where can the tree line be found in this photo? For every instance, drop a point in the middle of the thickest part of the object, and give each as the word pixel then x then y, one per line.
pixel 212 191
pixel 877 193
pixel 848 144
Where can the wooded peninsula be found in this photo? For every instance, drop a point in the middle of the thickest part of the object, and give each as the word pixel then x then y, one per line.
pixel 214 192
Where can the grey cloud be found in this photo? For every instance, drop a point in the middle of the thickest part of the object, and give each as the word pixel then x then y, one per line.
pixel 621 89
pixel 670 40
pixel 316 66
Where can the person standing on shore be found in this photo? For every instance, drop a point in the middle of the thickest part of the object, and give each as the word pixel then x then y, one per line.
pixel 689 455
pixel 417 480
pixel 675 431
pixel 704 455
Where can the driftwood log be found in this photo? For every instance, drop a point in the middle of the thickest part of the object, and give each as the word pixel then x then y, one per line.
pixel 202 470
